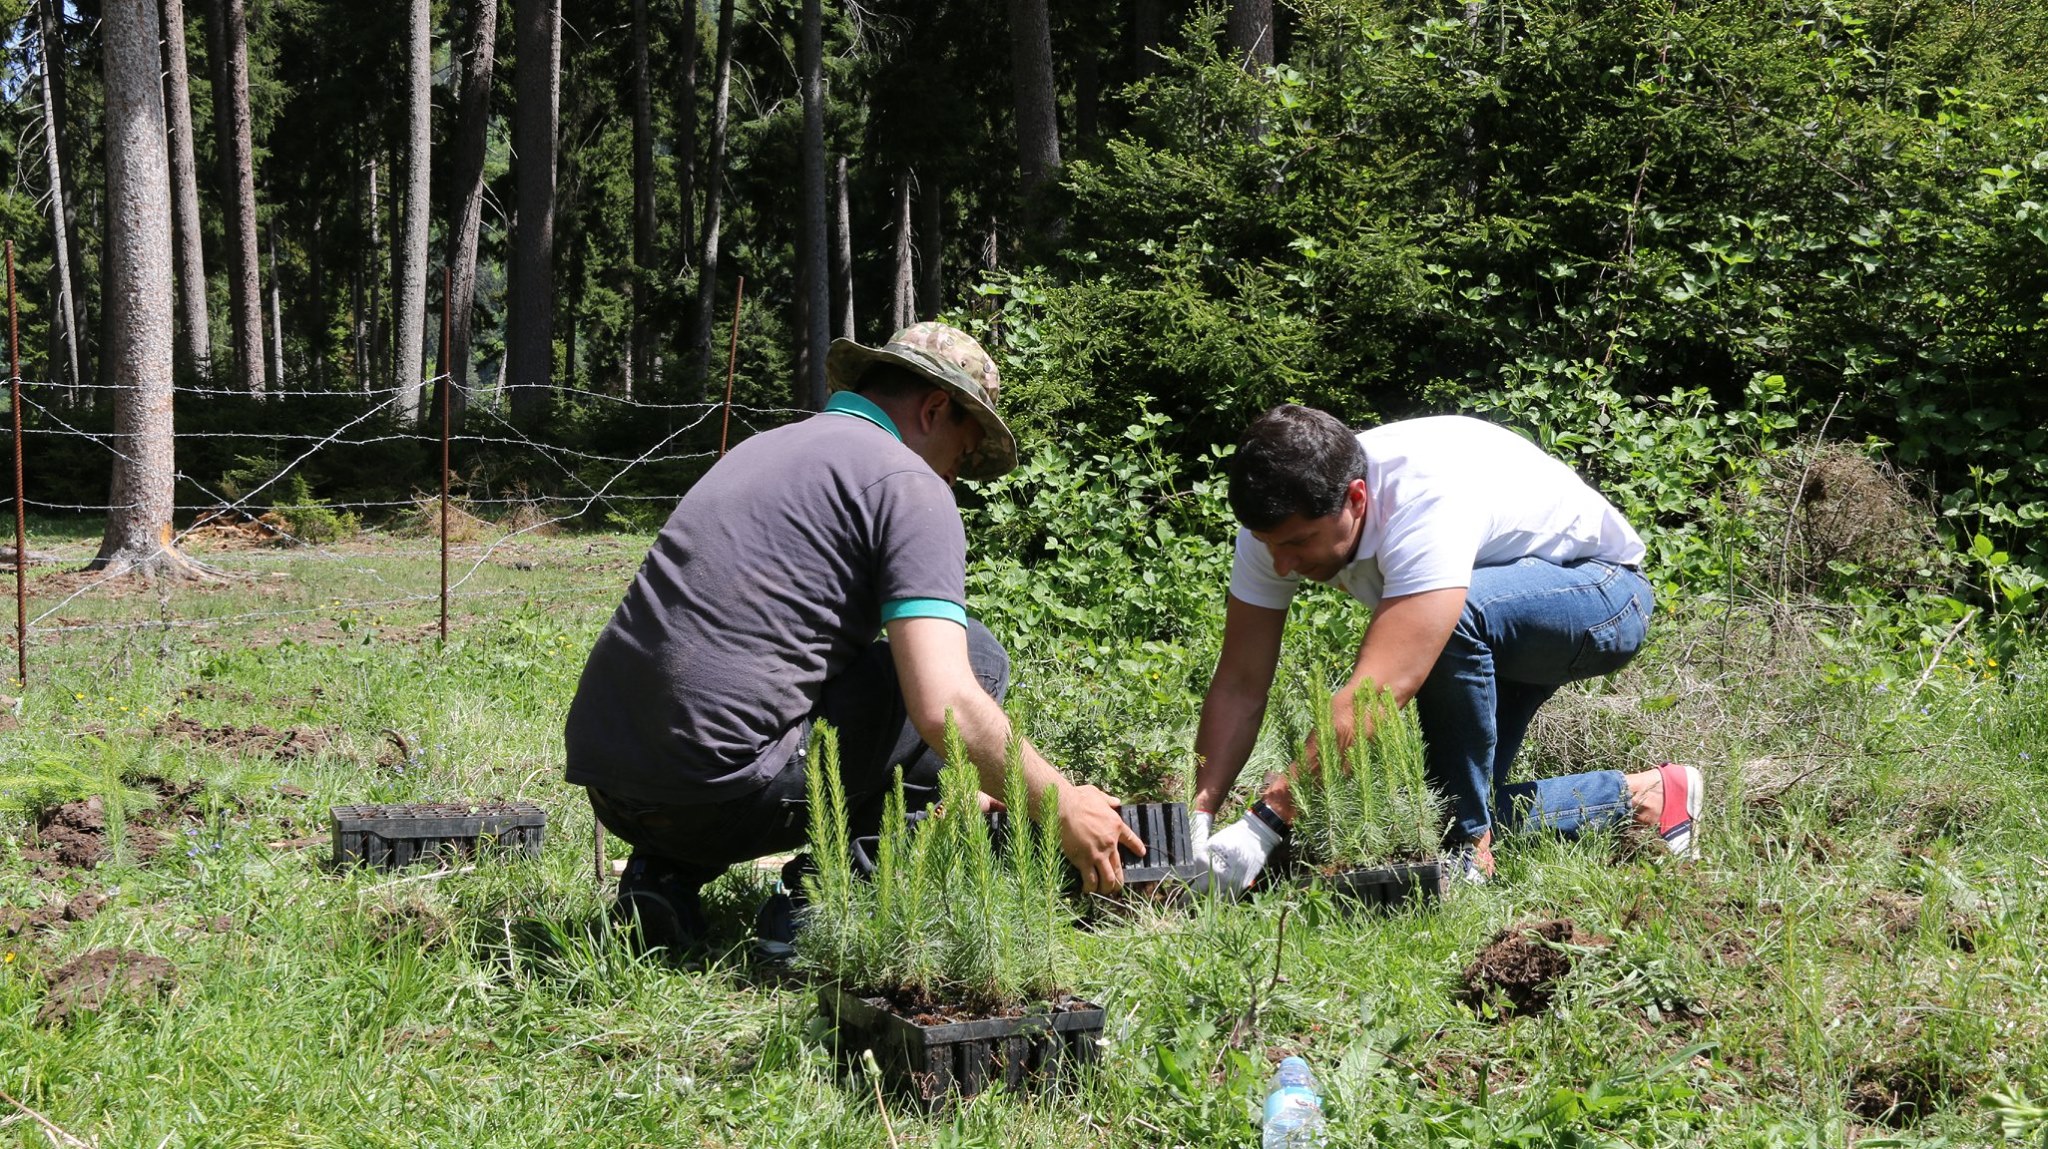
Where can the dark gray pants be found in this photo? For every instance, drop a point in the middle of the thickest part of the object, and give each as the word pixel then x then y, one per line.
pixel 865 705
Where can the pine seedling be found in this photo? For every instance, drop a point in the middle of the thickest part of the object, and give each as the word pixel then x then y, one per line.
pixel 976 924
pixel 1050 885
pixel 835 919
pixel 1377 804
pixel 892 924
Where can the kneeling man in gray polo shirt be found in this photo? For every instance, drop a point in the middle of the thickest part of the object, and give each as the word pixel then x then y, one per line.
pixel 816 573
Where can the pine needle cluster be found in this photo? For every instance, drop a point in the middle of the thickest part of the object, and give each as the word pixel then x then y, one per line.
pixel 1374 805
pixel 947 918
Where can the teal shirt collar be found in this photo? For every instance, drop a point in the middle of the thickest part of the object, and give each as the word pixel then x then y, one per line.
pixel 861 407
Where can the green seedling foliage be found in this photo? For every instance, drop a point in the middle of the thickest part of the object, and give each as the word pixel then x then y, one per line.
pixel 1372 803
pixel 947 917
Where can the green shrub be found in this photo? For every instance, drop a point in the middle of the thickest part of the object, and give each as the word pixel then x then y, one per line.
pixel 947 918
pixel 310 520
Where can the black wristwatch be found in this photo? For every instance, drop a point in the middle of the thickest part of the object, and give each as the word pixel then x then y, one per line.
pixel 1272 819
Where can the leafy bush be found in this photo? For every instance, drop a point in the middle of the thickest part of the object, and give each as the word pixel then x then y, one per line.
pixel 1375 805
pixel 947 918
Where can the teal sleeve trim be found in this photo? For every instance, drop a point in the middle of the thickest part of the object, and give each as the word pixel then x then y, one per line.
pixel 897 608
pixel 861 407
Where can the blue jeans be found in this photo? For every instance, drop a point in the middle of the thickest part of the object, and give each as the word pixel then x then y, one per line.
pixel 1528 628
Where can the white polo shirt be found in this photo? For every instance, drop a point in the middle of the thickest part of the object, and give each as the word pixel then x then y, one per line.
pixel 1447 494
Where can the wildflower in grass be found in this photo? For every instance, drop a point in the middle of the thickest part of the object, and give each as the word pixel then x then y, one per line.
pixel 9 959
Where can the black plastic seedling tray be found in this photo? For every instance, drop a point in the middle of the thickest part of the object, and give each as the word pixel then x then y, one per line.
pixel 1388 887
pixel 389 837
pixel 1165 829
pixel 933 1063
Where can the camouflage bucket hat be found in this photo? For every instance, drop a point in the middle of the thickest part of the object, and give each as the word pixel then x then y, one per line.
pixel 951 358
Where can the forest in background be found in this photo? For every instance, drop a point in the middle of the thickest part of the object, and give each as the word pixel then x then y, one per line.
pixel 1668 239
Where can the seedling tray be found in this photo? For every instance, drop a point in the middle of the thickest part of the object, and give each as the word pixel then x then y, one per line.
pixel 389 837
pixel 1165 829
pixel 1387 887
pixel 932 1063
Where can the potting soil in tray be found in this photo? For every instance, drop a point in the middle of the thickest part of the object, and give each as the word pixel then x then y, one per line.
pixel 935 1053
pixel 398 835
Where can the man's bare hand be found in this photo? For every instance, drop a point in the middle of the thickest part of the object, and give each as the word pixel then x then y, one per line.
pixel 1090 832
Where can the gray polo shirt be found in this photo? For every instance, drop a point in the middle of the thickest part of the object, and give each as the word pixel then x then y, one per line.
pixel 777 569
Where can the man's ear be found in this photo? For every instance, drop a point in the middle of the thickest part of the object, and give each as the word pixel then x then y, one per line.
pixel 1354 495
pixel 932 409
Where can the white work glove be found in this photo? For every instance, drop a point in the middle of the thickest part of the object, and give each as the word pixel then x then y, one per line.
pixel 1238 853
pixel 1201 825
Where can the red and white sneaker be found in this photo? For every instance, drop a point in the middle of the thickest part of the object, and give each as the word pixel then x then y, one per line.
pixel 1684 790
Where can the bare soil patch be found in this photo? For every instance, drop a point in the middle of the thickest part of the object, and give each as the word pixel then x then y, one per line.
pixel 230 530
pixel 283 745
pixel 1519 969
pixel 1903 1094
pixel 87 982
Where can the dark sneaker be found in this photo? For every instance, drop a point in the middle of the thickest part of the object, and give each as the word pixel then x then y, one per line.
pixel 659 907
pixel 781 915
pixel 775 926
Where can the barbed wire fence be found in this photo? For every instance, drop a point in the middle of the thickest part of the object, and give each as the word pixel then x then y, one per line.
pixel 243 515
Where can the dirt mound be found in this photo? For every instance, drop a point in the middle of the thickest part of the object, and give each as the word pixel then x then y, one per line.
pixel 73 835
pixel 15 921
pixel 86 982
pixel 1520 968
pixel 283 745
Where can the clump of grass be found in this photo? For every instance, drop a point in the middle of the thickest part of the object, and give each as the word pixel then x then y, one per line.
pixel 1372 804
pixel 947 918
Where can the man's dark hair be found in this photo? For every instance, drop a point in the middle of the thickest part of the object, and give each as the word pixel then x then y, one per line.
pixel 1292 461
pixel 895 381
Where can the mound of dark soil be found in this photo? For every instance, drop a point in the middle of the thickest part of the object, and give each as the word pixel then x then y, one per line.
pixel 15 921
pixel 1520 968
pixel 86 983
pixel 283 745
pixel 73 835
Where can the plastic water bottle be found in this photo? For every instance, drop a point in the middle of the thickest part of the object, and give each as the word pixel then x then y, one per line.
pixel 1294 1110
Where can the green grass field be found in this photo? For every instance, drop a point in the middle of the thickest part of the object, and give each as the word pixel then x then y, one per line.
pixel 1857 960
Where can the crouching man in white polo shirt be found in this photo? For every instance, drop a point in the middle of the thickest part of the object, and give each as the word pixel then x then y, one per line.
pixel 1494 574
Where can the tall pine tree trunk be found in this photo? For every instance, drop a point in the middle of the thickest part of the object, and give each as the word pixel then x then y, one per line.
pixel 686 139
pixel 704 306
pixel 138 338
pixel 408 369
pixel 903 285
pixel 238 181
pixel 529 354
pixel 1147 24
pixel 276 309
pixel 373 259
pixel 842 253
pixel 196 333
pixel 931 249
pixel 1250 31
pixel 639 364
pixel 65 181
pixel 64 270
pixel 1038 132
pixel 817 307
pixel 472 137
